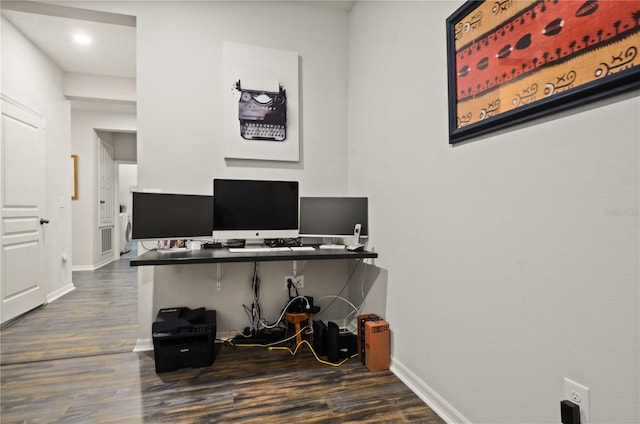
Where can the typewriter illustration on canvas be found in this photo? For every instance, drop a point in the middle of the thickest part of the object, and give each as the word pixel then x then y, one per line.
pixel 262 114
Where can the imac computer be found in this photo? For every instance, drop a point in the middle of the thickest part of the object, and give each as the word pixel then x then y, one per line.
pixel 164 216
pixel 333 217
pixel 255 210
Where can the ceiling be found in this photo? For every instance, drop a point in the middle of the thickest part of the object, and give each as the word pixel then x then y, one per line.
pixel 112 51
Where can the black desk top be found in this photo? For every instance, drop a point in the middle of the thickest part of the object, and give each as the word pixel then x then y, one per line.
pixel 223 255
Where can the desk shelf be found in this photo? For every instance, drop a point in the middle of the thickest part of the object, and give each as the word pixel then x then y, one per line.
pixel 217 256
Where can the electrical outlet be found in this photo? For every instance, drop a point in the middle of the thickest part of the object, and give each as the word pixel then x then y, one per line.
pixel 578 394
pixel 298 281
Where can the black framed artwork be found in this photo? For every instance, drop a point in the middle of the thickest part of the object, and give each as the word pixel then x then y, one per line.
pixel 513 61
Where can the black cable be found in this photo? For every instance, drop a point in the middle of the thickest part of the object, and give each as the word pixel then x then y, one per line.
pixel 256 314
pixel 345 285
pixel 234 243
pixel 283 242
pixel 248 312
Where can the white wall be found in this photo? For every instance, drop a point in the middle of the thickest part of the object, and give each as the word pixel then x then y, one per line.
pixel 84 143
pixel 512 260
pixel 180 92
pixel 100 88
pixel 124 147
pixel 31 79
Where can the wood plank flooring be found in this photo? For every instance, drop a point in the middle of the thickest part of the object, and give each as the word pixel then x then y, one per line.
pixel 99 317
pixel 47 374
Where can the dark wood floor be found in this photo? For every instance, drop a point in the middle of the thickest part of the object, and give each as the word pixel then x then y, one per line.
pixel 99 317
pixel 72 362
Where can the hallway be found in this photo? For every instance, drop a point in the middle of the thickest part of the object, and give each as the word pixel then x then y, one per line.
pixel 99 317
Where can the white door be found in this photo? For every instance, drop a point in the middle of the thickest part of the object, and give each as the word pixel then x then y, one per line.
pixel 106 184
pixel 107 214
pixel 22 182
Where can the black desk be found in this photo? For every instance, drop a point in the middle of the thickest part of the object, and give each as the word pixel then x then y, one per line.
pixel 216 256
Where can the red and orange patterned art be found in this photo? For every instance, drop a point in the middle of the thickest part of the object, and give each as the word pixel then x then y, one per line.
pixel 509 53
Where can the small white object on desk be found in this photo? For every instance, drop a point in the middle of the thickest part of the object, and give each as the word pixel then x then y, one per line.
pixel 173 249
pixel 355 247
pixel 302 248
pixel 258 249
pixel 332 246
pixel 194 245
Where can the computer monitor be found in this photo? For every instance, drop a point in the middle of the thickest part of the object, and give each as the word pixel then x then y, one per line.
pixel 165 216
pixel 333 216
pixel 253 209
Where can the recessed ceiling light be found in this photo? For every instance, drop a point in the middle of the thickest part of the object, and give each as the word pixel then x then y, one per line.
pixel 81 39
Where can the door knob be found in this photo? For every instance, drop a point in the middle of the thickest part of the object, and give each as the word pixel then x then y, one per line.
pixel 102 202
pixel 43 221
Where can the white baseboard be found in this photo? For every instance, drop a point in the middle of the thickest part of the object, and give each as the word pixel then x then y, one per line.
pixel 91 267
pixel 143 345
pixel 103 263
pixel 440 406
pixel 83 268
pixel 57 294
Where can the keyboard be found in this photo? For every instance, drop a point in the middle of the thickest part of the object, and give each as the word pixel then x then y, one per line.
pixel 302 248
pixel 333 246
pixel 258 249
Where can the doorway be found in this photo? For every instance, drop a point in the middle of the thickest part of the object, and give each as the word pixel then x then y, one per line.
pixel 91 217
pixel 127 183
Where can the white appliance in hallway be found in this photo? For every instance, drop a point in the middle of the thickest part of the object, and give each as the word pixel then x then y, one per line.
pixel 125 236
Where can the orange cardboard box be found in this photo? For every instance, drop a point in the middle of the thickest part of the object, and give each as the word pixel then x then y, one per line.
pixel 377 345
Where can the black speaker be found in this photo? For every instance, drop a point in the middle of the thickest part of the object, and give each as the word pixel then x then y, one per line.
pixel 320 338
pixel 333 342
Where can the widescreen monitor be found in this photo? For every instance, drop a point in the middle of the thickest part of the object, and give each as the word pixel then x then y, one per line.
pixel 165 216
pixel 333 216
pixel 255 209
